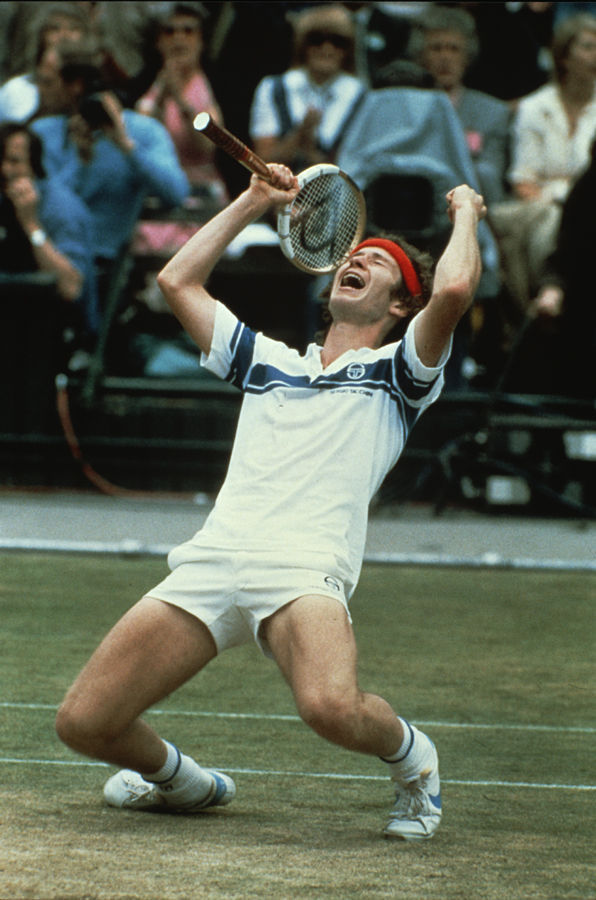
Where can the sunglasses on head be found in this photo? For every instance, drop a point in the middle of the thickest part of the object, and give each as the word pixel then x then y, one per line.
pixel 179 29
pixel 318 38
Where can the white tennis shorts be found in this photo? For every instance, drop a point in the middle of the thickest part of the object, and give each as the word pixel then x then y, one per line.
pixel 233 591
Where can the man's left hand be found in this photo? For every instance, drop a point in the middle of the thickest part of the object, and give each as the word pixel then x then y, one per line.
pixel 116 129
pixel 462 196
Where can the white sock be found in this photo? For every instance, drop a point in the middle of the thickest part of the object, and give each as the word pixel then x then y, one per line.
pixel 406 744
pixel 408 761
pixel 181 779
pixel 169 768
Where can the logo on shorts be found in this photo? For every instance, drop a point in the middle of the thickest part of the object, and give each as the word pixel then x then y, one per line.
pixel 332 582
pixel 355 371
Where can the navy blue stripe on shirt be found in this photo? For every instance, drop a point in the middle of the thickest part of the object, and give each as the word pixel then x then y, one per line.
pixel 242 348
pixel 413 389
pixel 389 374
pixel 265 378
pixel 377 375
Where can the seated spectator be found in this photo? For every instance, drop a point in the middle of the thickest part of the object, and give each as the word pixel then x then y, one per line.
pixel 555 125
pixel 20 96
pixel 558 353
pixel 299 117
pixel 112 157
pixel 180 91
pixel 44 227
pixel 553 132
pixel 444 42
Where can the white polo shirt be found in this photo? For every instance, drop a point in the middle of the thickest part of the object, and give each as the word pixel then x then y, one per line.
pixel 312 444
pixel 334 100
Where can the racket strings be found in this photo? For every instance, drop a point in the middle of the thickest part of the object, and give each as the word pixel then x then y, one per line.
pixel 325 222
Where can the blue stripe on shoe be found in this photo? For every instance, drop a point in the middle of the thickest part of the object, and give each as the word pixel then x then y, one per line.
pixel 220 789
pixel 435 800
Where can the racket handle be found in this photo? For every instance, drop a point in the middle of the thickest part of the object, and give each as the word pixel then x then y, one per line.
pixel 231 145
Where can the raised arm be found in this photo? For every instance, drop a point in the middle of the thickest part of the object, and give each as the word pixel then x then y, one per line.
pixel 183 279
pixel 456 276
pixel 150 149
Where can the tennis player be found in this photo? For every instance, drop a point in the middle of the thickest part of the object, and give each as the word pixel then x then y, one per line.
pixel 280 554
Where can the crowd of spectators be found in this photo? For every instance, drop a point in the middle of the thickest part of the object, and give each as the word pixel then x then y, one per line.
pixel 97 102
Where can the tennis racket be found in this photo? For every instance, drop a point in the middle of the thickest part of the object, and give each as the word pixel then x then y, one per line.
pixel 324 222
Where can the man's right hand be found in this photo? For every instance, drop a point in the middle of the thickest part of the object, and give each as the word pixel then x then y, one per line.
pixel 81 134
pixel 281 190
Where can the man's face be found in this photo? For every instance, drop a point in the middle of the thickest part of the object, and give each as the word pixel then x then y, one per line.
pixel 15 162
pixel 181 40
pixel 363 290
pixel 325 54
pixel 445 57
pixel 62 28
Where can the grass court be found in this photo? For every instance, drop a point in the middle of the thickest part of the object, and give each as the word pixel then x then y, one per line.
pixel 496 666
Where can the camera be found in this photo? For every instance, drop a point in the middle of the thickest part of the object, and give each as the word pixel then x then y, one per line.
pixel 92 110
pixel 80 71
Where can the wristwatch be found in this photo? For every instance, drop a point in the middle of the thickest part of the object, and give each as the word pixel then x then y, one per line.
pixel 38 237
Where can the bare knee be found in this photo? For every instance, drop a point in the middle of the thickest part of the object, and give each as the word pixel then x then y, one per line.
pixel 81 730
pixel 331 714
pixel 70 727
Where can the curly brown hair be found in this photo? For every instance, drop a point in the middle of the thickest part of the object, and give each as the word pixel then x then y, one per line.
pixel 424 266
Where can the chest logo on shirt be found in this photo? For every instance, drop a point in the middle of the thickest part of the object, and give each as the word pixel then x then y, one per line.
pixel 355 371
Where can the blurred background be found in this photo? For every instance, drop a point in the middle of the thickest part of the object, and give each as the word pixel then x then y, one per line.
pixel 102 179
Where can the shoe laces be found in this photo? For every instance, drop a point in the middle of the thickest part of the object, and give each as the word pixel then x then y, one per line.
pixel 138 790
pixel 411 797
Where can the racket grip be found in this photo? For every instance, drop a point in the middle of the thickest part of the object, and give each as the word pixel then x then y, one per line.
pixel 231 145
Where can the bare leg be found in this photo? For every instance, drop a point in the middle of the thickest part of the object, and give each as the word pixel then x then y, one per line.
pixel 149 653
pixel 313 644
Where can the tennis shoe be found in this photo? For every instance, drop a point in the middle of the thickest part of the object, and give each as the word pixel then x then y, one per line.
pixel 416 814
pixel 129 790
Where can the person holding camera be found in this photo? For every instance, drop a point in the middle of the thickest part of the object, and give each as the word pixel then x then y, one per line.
pixel 113 158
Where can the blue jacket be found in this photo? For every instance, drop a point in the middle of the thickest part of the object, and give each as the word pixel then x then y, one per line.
pixel 69 224
pixel 114 185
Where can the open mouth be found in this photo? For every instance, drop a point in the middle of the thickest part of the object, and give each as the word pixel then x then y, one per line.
pixel 352 280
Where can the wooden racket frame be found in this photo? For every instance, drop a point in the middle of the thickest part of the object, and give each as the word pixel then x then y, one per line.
pixel 231 145
pixel 239 151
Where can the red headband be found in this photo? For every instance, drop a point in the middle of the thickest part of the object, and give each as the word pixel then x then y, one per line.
pixel 405 266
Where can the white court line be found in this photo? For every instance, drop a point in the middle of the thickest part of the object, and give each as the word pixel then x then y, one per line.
pixel 274 717
pixel 336 776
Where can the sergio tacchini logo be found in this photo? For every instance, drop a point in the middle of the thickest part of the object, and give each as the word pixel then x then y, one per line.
pixel 355 371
